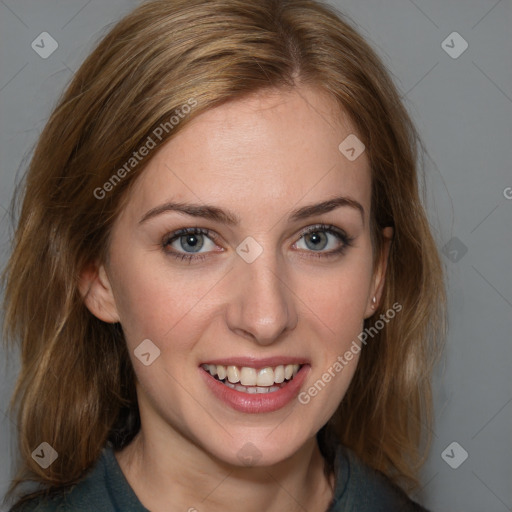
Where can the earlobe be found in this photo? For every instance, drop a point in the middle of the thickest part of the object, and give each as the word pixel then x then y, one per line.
pixel 380 273
pixel 97 294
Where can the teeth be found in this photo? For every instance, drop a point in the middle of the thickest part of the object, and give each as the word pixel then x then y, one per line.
pixel 233 374
pixel 288 371
pixel 252 389
pixel 250 378
pixel 221 372
pixel 247 376
pixel 279 374
pixel 265 377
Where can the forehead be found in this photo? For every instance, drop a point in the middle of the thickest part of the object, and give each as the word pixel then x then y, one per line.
pixel 270 150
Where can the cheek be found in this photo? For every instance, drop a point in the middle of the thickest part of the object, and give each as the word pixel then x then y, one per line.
pixel 337 300
pixel 338 296
pixel 337 303
pixel 156 302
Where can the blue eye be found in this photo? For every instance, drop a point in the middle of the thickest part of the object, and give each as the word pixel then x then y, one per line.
pixel 191 240
pixel 186 244
pixel 319 237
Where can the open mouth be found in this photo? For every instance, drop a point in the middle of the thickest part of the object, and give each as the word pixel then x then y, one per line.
pixel 252 380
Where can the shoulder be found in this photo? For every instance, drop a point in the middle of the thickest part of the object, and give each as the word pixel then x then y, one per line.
pixel 103 488
pixel 363 489
pixel 58 501
pixel 71 499
pixel 53 504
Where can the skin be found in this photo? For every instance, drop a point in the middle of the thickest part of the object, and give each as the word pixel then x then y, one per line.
pixel 260 157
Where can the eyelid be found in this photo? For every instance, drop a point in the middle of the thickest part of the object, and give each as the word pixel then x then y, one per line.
pixel 322 227
pixel 195 230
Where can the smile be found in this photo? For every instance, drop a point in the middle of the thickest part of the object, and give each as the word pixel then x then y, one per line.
pixel 262 388
pixel 251 380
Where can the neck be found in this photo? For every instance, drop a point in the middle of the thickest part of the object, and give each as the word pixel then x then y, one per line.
pixel 175 474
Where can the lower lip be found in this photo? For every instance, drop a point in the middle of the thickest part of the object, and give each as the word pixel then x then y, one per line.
pixel 256 402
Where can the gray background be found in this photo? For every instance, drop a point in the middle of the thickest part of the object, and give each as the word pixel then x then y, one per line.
pixel 462 107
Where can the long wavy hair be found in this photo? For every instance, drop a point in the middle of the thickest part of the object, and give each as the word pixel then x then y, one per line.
pixel 76 387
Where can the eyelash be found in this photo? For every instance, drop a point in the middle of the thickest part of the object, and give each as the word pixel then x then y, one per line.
pixel 326 228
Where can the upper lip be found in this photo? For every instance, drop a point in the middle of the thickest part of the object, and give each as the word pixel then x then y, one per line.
pixel 257 363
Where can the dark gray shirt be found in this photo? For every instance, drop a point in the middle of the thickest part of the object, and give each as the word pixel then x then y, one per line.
pixel 105 489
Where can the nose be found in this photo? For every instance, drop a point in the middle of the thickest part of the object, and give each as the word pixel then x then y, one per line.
pixel 262 305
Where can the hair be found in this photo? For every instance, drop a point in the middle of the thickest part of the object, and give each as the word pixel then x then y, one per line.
pixel 76 387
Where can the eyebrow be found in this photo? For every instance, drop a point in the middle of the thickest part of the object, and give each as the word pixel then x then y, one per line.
pixel 229 218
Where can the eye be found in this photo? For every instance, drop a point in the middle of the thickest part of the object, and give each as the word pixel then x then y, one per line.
pixel 320 237
pixel 189 240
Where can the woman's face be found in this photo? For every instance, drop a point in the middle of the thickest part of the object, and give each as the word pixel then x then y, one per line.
pixel 279 274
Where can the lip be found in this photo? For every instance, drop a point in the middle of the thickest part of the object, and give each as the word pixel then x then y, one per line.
pixel 258 363
pixel 254 403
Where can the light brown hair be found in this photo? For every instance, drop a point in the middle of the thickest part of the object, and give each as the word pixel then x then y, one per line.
pixel 76 386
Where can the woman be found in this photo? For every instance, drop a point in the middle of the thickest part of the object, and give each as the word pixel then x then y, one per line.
pixel 223 279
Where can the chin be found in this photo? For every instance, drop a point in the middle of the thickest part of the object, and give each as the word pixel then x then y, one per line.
pixel 258 450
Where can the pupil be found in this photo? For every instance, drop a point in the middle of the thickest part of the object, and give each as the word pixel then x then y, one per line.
pixel 315 240
pixel 193 241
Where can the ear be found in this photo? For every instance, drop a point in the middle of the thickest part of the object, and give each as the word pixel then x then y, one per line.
pixel 97 293
pixel 379 274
